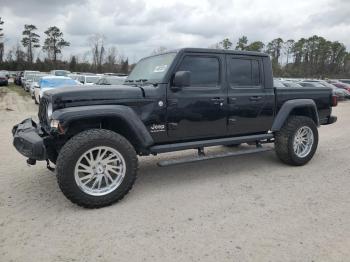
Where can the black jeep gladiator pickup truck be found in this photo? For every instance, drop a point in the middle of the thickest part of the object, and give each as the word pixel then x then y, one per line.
pixel 184 99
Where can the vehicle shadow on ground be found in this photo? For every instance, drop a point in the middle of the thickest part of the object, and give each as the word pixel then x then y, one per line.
pixel 151 176
pixel 149 169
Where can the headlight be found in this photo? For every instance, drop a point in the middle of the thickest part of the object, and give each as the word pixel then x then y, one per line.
pixel 49 111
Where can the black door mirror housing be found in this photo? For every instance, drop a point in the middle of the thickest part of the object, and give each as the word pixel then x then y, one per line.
pixel 181 79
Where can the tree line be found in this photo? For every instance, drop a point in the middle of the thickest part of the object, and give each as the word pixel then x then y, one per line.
pixel 314 57
pixel 22 55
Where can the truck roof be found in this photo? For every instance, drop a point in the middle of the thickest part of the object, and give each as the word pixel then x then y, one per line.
pixel 221 51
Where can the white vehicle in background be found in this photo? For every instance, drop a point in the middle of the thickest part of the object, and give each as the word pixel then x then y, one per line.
pixel 73 76
pixel 25 76
pixel 35 83
pixel 59 72
pixel 29 81
pixel 50 82
pixel 88 79
pixel 111 80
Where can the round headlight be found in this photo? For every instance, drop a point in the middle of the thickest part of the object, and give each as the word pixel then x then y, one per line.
pixel 49 111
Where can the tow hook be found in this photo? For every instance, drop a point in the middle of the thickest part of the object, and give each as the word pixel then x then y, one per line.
pixel 52 169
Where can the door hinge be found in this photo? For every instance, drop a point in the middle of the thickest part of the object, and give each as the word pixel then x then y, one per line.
pixel 232 121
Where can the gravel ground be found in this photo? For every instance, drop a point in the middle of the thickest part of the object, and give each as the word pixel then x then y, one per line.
pixel 247 208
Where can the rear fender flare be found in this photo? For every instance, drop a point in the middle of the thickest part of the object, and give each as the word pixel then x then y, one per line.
pixel 289 106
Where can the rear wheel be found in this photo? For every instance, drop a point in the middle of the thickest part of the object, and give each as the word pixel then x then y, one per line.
pixel 297 141
pixel 96 168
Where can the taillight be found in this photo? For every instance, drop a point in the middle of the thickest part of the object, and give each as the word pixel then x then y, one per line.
pixel 334 100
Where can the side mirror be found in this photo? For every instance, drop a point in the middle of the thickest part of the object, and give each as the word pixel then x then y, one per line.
pixel 181 79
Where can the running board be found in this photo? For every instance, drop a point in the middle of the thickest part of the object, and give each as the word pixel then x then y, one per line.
pixel 179 161
pixel 207 143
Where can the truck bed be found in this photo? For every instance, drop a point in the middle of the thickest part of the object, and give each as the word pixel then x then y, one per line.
pixel 321 96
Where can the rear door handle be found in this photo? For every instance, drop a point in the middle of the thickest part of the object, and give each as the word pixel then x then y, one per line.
pixel 255 98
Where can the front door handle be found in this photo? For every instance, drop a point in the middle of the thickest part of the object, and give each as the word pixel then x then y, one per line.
pixel 217 100
pixel 255 98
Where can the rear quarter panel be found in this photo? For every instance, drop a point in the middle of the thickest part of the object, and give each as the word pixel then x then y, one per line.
pixel 321 96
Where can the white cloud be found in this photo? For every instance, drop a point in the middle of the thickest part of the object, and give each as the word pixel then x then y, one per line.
pixel 137 27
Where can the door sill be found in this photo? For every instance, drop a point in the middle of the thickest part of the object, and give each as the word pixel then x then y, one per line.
pixel 207 143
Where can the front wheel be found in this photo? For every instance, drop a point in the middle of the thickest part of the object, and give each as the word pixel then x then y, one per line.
pixel 297 141
pixel 96 168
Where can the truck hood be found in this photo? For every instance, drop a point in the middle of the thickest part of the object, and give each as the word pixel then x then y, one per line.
pixel 89 95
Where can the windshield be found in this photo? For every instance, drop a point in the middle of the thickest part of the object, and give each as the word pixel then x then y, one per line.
pixel 152 68
pixel 52 82
pixel 92 79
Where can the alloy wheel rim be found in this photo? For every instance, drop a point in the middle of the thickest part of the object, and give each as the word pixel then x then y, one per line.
pixel 303 141
pixel 99 171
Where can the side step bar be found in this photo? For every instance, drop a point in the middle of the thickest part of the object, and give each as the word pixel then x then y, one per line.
pixel 165 163
pixel 207 143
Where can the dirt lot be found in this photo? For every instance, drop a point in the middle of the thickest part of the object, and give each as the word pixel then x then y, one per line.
pixel 248 208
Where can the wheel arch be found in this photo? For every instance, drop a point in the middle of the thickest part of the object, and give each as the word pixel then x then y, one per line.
pixel 301 107
pixel 118 118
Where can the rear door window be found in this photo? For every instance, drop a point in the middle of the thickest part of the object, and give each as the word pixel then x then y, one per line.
pixel 244 72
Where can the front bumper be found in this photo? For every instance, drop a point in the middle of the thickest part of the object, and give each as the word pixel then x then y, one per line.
pixel 28 140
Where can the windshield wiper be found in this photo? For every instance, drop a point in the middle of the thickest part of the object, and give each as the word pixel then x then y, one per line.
pixel 142 81
pixel 146 81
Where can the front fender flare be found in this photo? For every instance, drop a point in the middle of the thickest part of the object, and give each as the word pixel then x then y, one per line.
pixel 289 106
pixel 68 115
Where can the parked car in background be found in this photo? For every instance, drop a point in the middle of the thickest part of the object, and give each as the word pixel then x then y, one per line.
pixel 278 83
pixel 115 74
pixel 59 72
pixel 35 83
pixel 5 73
pixel 342 85
pixel 3 79
pixel 342 94
pixel 88 79
pixel 307 83
pixel 28 81
pixel 291 84
pixel 346 81
pixel 111 80
pixel 18 78
pixel 73 76
pixel 25 75
pixel 51 82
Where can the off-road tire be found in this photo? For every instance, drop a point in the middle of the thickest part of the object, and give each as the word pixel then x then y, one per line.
pixel 285 137
pixel 79 144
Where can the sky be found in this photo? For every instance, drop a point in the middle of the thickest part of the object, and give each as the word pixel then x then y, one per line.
pixel 137 27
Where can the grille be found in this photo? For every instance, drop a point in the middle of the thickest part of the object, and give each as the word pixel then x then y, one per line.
pixel 42 114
